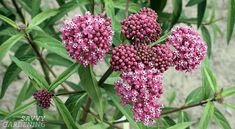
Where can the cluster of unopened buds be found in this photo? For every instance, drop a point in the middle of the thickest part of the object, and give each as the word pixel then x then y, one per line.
pixel 88 38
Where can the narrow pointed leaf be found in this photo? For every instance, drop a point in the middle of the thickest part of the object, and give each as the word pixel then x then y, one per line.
pixel 206 36
pixel 193 2
pixel 90 84
pixel 230 19
pixel 31 72
pixel 221 120
pixel 35 7
pixel 228 92
pixel 41 17
pixel 9 43
pixel 68 120
pixel 201 9
pixel 181 125
pixel 65 75
pixel 195 96
pixel 206 116
pixel 9 21
pixel 20 109
pixel 177 9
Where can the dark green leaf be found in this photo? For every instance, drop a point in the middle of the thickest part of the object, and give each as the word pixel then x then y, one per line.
pixel 169 121
pixel 60 2
pixel 9 21
pixel 124 109
pixel 158 5
pixel 177 9
pixel 231 19
pixel 24 53
pixel 74 103
pixel 20 109
pixel 68 120
pixel 9 43
pixel 41 17
pixel 31 72
pixel 35 7
pixel 193 2
pixel 207 38
pixel 201 8
pixel 221 120
pixel 228 92
pixel 65 75
pixel 55 59
pixel 90 84
pixel 181 125
pixel 206 116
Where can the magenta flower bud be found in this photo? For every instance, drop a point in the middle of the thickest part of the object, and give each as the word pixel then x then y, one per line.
pixel 141 89
pixel 149 12
pixel 190 49
pixel 141 28
pixel 43 98
pixel 87 38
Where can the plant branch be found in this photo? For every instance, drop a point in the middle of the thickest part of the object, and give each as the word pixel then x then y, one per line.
pixel 97 117
pixel 69 93
pixel 126 9
pixel 86 109
pixel 180 108
pixel 105 76
pixel 18 10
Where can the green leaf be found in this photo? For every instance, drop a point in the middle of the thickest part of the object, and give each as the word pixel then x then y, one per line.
pixel 209 77
pixel 65 75
pixel 25 92
pixel 158 5
pixel 229 105
pixel 195 96
pixel 20 109
pixel 206 116
pixel 50 43
pixel 221 120
pixel 9 21
pixel 35 7
pixel 31 72
pixel 207 38
pixel 193 2
pixel 24 53
pixel 90 84
pixel 121 4
pixel 228 92
pixel 177 9
pixel 171 97
pixel 69 121
pixel 183 117
pixel 55 59
pixel 124 109
pixel 41 17
pixel 181 125
pixel 230 19
pixel 9 43
pixel 109 10
pixel 201 8
pixel 74 103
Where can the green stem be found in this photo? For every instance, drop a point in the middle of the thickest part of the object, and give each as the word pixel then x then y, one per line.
pixel 126 9
pixel 105 76
pixel 69 93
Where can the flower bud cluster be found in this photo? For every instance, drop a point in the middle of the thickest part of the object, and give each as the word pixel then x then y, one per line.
pixel 43 98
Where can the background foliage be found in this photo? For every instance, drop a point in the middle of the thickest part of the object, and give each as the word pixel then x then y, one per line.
pixel 29 34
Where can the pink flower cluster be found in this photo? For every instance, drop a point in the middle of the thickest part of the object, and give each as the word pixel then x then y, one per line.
pixel 142 27
pixel 43 98
pixel 190 49
pixel 141 88
pixel 87 38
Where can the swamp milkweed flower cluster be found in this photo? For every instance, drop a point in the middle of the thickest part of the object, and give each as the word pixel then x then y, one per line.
pixel 88 38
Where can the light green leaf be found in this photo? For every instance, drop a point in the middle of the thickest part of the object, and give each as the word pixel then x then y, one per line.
pixel 181 125
pixel 9 43
pixel 195 96
pixel 90 84
pixel 201 8
pixel 207 38
pixel 65 75
pixel 31 72
pixel 9 21
pixel 229 105
pixel 69 121
pixel 41 17
pixel 124 109
pixel 206 116
pixel 193 2
pixel 177 9
pixel 20 109
pixel 221 120
pixel 171 97
pixel 50 43
pixel 230 19
pixel 109 10
pixel 121 4
pixel 228 92
pixel 55 59
pixel 183 117
pixel 210 78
